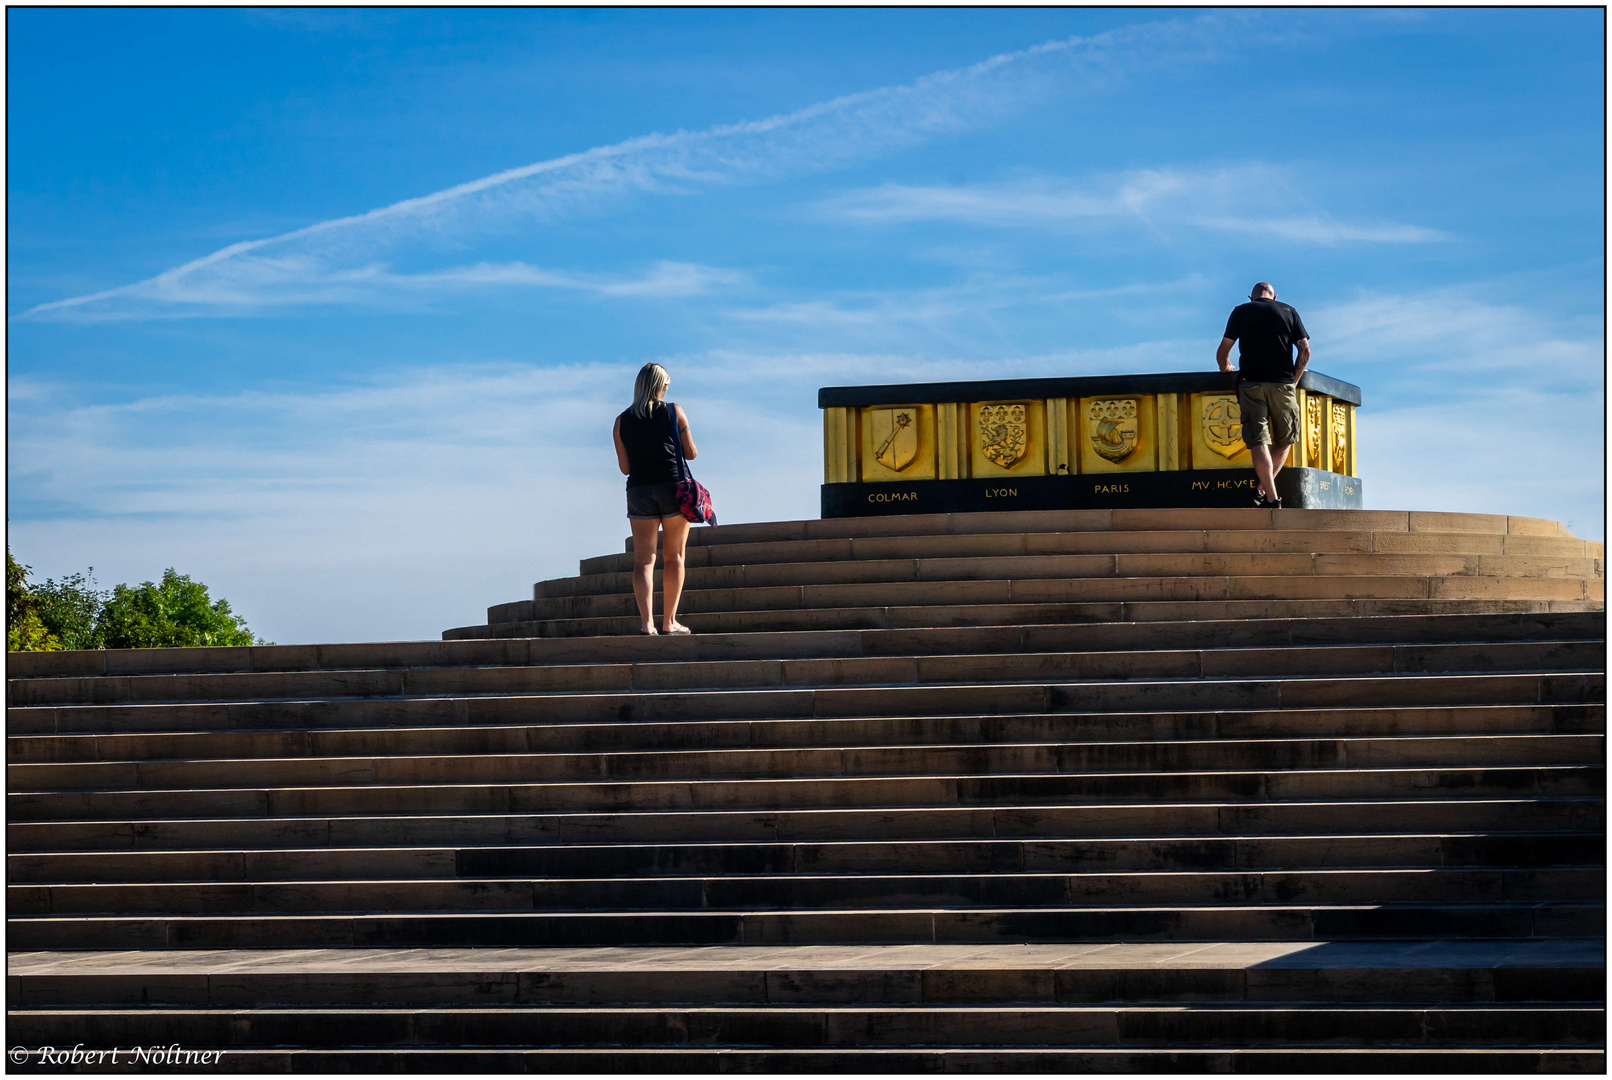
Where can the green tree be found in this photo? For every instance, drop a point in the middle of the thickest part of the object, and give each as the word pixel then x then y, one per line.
pixel 25 631
pixel 70 609
pixel 176 611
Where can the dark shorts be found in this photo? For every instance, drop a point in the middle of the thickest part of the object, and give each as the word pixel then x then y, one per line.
pixel 653 501
pixel 1270 413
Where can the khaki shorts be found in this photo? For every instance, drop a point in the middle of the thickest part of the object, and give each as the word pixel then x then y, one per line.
pixel 1270 413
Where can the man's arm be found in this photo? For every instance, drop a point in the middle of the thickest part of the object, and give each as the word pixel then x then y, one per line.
pixel 1223 354
pixel 1304 358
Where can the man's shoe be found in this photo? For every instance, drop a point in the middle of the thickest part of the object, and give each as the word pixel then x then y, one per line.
pixel 1269 504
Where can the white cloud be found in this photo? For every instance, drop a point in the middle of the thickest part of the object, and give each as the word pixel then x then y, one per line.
pixel 392 510
pixel 345 260
pixel 1450 334
pixel 1473 404
pixel 1157 199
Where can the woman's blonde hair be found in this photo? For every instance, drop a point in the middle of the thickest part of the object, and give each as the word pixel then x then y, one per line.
pixel 652 382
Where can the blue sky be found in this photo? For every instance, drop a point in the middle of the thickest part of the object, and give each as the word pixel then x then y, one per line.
pixel 333 309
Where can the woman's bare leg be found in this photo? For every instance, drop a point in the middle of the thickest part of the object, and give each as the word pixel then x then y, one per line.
pixel 673 539
pixel 644 534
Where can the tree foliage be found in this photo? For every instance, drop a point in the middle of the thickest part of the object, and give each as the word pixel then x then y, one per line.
pixel 70 607
pixel 74 614
pixel 25 630
pixel 176 611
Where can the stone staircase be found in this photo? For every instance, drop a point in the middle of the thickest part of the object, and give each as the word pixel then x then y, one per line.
pixel 1229 790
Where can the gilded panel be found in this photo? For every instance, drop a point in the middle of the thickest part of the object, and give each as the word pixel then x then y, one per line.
pixel 1217 433
pixel 1340 437
pixel 1060 462
pixel 1168 426
pixel 951 445
pixel 839 453
pixel 1007 438
pixel 898 442
pixel 1314 430
pixel 1117 434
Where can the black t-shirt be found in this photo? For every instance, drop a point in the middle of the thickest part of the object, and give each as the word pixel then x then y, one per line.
pixel 1266 331
pixel 651 446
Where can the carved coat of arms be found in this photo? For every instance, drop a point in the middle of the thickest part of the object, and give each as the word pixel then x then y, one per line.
pixel 1004 435
pixel 1223 425
pixel 1312 430
pixel 1114 430
pixel 895 437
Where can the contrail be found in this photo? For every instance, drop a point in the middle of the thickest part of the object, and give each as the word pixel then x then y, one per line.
pixel 813 139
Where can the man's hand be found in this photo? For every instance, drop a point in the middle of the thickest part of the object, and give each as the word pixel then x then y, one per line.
pixel 1223 354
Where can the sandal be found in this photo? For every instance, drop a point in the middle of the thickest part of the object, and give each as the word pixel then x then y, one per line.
pixel 679 631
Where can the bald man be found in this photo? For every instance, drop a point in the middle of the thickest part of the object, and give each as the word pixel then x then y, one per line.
pixel 1267 381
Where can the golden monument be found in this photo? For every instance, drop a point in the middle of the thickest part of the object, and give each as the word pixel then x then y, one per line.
pixel 1061 443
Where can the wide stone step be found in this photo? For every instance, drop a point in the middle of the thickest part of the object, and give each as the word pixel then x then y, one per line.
pixel 855 731
pixel 1129 695
pixel 518 622
pixel 1158 541
pixel 1494 816
pixel 1049 855
pixel 817 763
pixel 820 792
pixel 1528 656
pixel 1023 889
pixel 1448 971
pixel 1020 636
pixel 1090 1026
pixel 1370 921
pixel 1140 520
pixel 1135 566
pixel 1084 590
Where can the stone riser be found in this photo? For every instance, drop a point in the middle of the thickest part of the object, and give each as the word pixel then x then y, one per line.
pixel 1159 542
pixel 848 792
pixel 1364 922
pixel 1063 590
pixel 1476 973
pixel 1497 817
pixel 825 703
pixel 799 734
pixel 1020 636
pixel 1518 849
pixel 1133 1027
pixel 1529 656
pixel 977 616
pixel 1034 567
pixel 796 892
pixel 1127 521
pixel 816 764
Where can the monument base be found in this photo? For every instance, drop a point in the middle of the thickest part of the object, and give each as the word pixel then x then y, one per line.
pixel 1300 488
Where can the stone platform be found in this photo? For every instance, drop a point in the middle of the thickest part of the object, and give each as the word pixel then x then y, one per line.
pixel 1233 790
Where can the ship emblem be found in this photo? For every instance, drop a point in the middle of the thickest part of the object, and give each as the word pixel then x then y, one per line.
pixel 1003 434
pixel 1312 429
pixel 895 436
pixel 1223 425
pixel 1114 434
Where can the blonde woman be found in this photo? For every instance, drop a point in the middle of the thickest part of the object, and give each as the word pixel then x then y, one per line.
pixel 647 437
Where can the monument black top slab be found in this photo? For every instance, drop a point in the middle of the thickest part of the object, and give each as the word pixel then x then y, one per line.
pixel 1173 382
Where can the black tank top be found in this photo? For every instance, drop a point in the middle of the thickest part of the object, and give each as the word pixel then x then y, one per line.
pixel 651 447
